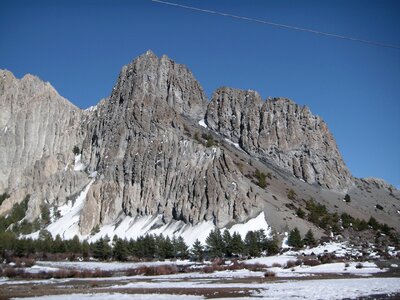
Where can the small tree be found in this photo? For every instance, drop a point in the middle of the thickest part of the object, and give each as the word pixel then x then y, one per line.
pixel 300 213
pixel 180 248
pixel 227 238
pixel 120 251
pixel 309 239
pixel 45 214
pixel 252 245
pixel 101 249
pixel 76 150
pixel 291 194
pixel 215 244
pixel 197 251
pixel 261 178
pixel 237 245
pixel 347 198
pixel 294 239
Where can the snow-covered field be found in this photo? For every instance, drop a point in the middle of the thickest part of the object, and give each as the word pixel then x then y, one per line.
pixel 295 289
pixel 294 282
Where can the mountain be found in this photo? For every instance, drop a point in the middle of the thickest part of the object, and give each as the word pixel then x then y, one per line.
pixel 157 157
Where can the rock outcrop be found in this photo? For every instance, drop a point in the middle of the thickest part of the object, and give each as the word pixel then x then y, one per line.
pixel 148 166
pixel 137 151
pixel 280 131
pixel 38 130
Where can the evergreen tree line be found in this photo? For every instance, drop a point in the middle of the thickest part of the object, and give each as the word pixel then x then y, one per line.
pixel 295 240
pixel 149 247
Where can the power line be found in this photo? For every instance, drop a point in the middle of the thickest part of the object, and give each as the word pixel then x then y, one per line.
pixel 284 26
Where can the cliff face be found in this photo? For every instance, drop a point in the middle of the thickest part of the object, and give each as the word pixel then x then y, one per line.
pixel 280 131
pixel 139 151
pixel 38 130
pixel 148 166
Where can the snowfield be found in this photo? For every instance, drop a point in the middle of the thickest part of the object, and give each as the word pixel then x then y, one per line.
pixel 323 289
pixel 330 288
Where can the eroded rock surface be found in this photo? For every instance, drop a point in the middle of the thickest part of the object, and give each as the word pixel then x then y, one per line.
pixel 282 132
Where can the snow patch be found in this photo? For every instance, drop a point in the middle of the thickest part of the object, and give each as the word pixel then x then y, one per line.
pixel 330 288
pixel 67 226
pixel 236 145
pixel 202 123
pixel 252 225
pixel 79 166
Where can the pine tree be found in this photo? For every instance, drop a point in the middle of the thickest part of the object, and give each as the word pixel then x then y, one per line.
pixel 237 245
pixel 74 245
pixel 45 240
pixel 251 243
pixel 101 249
pixel 309 239
pixel 45 214
pixel 294 239
pixel 120 250
pixel 197 251
pixel 228 243
pixel 85 249
pixel 180 248
pixel 215 244
pixel 58 245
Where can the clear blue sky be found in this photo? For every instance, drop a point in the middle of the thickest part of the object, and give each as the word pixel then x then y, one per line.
pixel 80 46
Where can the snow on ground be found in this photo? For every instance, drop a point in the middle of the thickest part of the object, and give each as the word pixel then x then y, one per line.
pixel 107 266
pixel 134 227
pixel 368 268
pixel 270 260
pixel 79 166
pixel 330 288
pixel 294 289
pixel 252 225
pixel 242 273
pixel 202 123
pixel 322 289
pixel 38 268
pixel 68 224
pixel 341 249
pixel 236 145
pixel 119 296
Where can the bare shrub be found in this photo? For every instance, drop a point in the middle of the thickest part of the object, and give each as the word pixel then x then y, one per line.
pixel 161 270
pixel 61 273
pixel 327 258
pixel 276 265
pixel 212 268
pixel 10 272
pixel 269 274
pixel 359 266
pixel 311 262
pixel 141 270
pixel 101 273
pixel 290 264
pixel 255 267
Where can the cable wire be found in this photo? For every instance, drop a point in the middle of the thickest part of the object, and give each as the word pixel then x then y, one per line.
pixel 284 26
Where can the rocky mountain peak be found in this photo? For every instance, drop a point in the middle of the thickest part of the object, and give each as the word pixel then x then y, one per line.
pixel 141 153
pixel 149 78
pixel 282 132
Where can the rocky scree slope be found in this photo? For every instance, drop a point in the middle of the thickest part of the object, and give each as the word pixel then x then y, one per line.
pixel 141 150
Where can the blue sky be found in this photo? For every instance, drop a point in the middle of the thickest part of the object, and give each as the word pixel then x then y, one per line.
pixel 80 46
